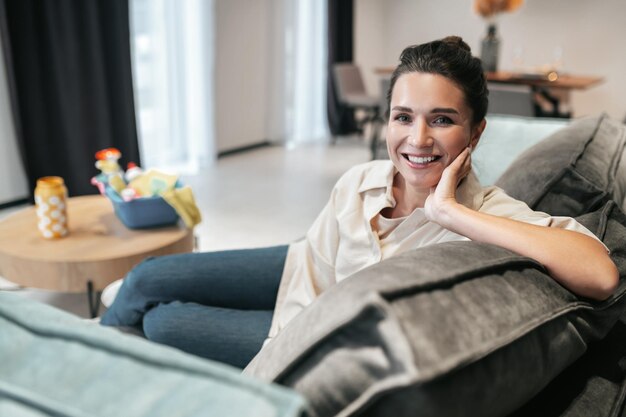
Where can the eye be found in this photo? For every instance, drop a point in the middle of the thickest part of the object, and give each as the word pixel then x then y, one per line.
pixel 403 118
pixel 442 121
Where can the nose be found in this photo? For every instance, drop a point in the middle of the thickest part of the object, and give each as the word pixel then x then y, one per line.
pixel 420 135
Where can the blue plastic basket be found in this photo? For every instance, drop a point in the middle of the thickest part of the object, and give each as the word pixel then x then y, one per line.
pixel 142 213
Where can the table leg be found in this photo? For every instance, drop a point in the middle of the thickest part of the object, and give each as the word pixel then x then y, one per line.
pixel 553 100
pixel 93 297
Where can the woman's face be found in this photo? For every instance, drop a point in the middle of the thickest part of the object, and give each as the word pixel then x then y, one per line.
pixel 429 125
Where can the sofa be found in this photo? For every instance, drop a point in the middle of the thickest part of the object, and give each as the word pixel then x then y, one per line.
pixel 53 363
pixel 457 329
pixel 469 329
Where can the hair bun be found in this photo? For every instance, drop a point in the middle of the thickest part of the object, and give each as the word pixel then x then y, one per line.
pixel 457 42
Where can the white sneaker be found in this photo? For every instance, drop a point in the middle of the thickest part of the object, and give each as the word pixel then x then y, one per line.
pixel 110 292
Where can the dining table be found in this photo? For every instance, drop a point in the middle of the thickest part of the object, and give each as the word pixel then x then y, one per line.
pixel 551 89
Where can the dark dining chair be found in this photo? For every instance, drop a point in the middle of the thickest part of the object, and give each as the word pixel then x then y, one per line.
pixel 352 94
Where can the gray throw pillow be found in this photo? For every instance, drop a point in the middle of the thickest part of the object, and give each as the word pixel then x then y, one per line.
pixel 455 329
pixel 573 171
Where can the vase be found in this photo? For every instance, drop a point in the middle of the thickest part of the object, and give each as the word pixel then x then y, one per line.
pixel 51 201
pixel 489 50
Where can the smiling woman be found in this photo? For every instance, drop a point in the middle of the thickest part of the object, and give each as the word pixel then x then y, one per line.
pixel 429 126
pixel 221 305
pixel 438 100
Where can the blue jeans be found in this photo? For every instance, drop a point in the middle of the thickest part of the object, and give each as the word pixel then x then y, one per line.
pixel 217 305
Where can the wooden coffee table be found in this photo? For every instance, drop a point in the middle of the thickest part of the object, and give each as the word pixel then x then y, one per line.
pixel 98 250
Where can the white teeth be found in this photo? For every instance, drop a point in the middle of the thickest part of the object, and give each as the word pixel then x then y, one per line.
pixel 421 159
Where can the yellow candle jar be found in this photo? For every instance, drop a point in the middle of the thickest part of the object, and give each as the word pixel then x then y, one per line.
pixel 51 202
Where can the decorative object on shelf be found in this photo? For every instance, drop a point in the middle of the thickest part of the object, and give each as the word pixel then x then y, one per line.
pixel 490 49
pixel 490 45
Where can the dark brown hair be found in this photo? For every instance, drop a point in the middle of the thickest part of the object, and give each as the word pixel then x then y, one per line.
pixel 452 58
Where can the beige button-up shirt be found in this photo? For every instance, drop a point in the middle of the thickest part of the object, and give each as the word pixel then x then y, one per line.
pixel 344 238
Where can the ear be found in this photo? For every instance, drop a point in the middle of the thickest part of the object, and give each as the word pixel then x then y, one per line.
pixel 477 131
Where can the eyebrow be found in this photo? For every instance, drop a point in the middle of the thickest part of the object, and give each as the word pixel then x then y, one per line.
pixel 449 110
pixel 444 110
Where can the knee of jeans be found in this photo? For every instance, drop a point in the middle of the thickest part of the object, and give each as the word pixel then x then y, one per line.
pixel 141 274
pixel 159 325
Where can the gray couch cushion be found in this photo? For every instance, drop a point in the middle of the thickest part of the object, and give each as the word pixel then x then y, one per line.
pixel 620 182
pixel 573 171
pixel 594 386
pixel 54 364
pixel 448 330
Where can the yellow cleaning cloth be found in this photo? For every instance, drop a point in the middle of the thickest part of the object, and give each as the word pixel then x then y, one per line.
pixel 181 199
pixel 153 183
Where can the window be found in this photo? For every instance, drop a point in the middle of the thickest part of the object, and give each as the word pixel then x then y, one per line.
pixel 172 58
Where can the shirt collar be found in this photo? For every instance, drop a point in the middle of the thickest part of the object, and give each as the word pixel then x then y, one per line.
pixel 469 192
pixel 380 176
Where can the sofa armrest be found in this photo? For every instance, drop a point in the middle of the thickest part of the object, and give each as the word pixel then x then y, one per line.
pixel 53 363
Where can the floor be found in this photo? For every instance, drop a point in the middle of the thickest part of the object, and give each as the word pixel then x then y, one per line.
pixel 263 197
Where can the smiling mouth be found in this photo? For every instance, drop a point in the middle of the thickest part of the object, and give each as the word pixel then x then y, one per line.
pixel 421 160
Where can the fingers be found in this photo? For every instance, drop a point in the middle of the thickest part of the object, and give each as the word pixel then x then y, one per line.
pixel 461 159
pixel 461 163
pixel 459 168
pixel 467 164
pixel 455 172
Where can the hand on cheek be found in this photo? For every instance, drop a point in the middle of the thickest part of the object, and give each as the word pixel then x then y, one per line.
pixel 444 194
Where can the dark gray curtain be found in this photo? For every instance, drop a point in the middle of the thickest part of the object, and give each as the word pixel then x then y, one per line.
pixel 69 72
pixel 340 41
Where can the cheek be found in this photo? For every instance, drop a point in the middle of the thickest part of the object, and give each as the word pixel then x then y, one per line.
pixel 394 135
pixel 455 145
pixel 397 131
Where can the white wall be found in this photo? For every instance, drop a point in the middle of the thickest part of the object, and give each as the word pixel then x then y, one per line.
pixel 13 183
pixel 590 34
pixel 276 99
pixel 243 51
pixel 371 40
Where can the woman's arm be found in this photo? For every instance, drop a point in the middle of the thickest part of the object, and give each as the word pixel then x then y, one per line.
pixel 578 262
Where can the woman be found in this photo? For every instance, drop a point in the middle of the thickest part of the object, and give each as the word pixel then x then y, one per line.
pixel 221 305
